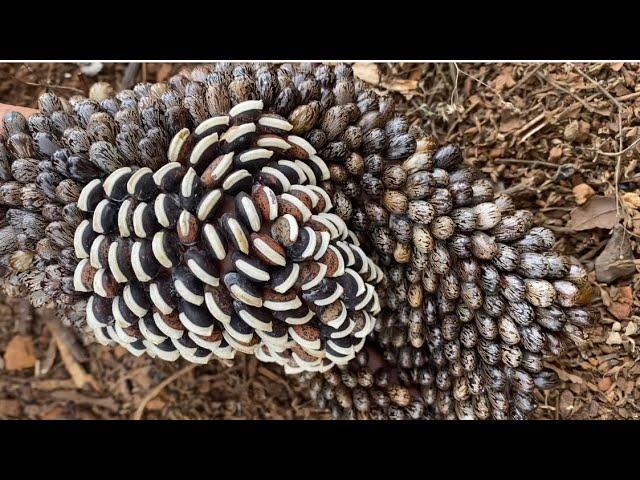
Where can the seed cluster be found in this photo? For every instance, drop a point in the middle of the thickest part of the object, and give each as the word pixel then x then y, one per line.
pixel 476 297
pixel 255 207
pixel 366 393
pixel 225 248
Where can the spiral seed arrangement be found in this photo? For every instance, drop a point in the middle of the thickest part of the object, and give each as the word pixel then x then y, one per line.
pixel 255 208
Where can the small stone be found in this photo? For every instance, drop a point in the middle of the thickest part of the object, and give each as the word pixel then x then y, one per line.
pixel 577 131
pixel 604 384
pixel 571 131
pixel 555 153
pixel 583 192
pixel 614 338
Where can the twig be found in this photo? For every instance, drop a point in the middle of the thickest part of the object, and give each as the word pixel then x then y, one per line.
pixel 534 130
pixel 600 87
pixel 42 85
pixel 454 90
pixel 620 142
pixel 613 154
pixel 78 374
pixel 525 162
pixel 629 96
pixel 530 124
pixel 523 80
pixel 562 89
pixel 509 105
pixel 158 388
pixel 130 75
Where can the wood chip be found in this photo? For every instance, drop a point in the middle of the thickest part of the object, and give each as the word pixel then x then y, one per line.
pixel 19 353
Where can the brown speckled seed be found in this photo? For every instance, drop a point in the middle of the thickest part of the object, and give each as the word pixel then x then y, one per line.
pixel 308 271
pixel 298 350
pixel 331 312
pixel 188 232
pixel 303 197
pixel 395 201
pixel 331 260
pixel 275 246
pixel 285 206
pixel 215 336
pixel 269 295
pixel 263 197
pixel 281 232
pixel 209 180
pixel 221 297
pixel 173 320
pixel 307 332
pixel 399 395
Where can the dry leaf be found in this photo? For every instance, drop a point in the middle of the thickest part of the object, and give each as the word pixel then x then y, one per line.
pixel 53 414
pixel 616 67
pixel 504 80
pixel 582 192
pixel 511 124
pixel 631 200
pixel 19 353
pixel 156 404
pixel 631 329
pixel 564 375
pixel 565 404
pixel 405 87
pixel 616 260
pixel 614 338
pixel 367 72
pixel 598 212
pixel 577 131
pixel 622 304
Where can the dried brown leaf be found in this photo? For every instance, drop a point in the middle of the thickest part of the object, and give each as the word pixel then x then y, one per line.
pixel 403 86
pixel 367 72
pixel 564 375
pixel 631 200
pixel 616 260
pixel 622 304
pixel 598 212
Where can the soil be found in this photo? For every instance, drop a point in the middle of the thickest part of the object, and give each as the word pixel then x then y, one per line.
pixel 550 134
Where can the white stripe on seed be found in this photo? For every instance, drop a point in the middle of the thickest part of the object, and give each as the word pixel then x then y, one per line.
pixel 114 266
pixel 201 147
pixel 221 120
pixel 269 252
pixel 176 144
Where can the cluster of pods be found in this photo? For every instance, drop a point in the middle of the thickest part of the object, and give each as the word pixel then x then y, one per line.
pixel 287 211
